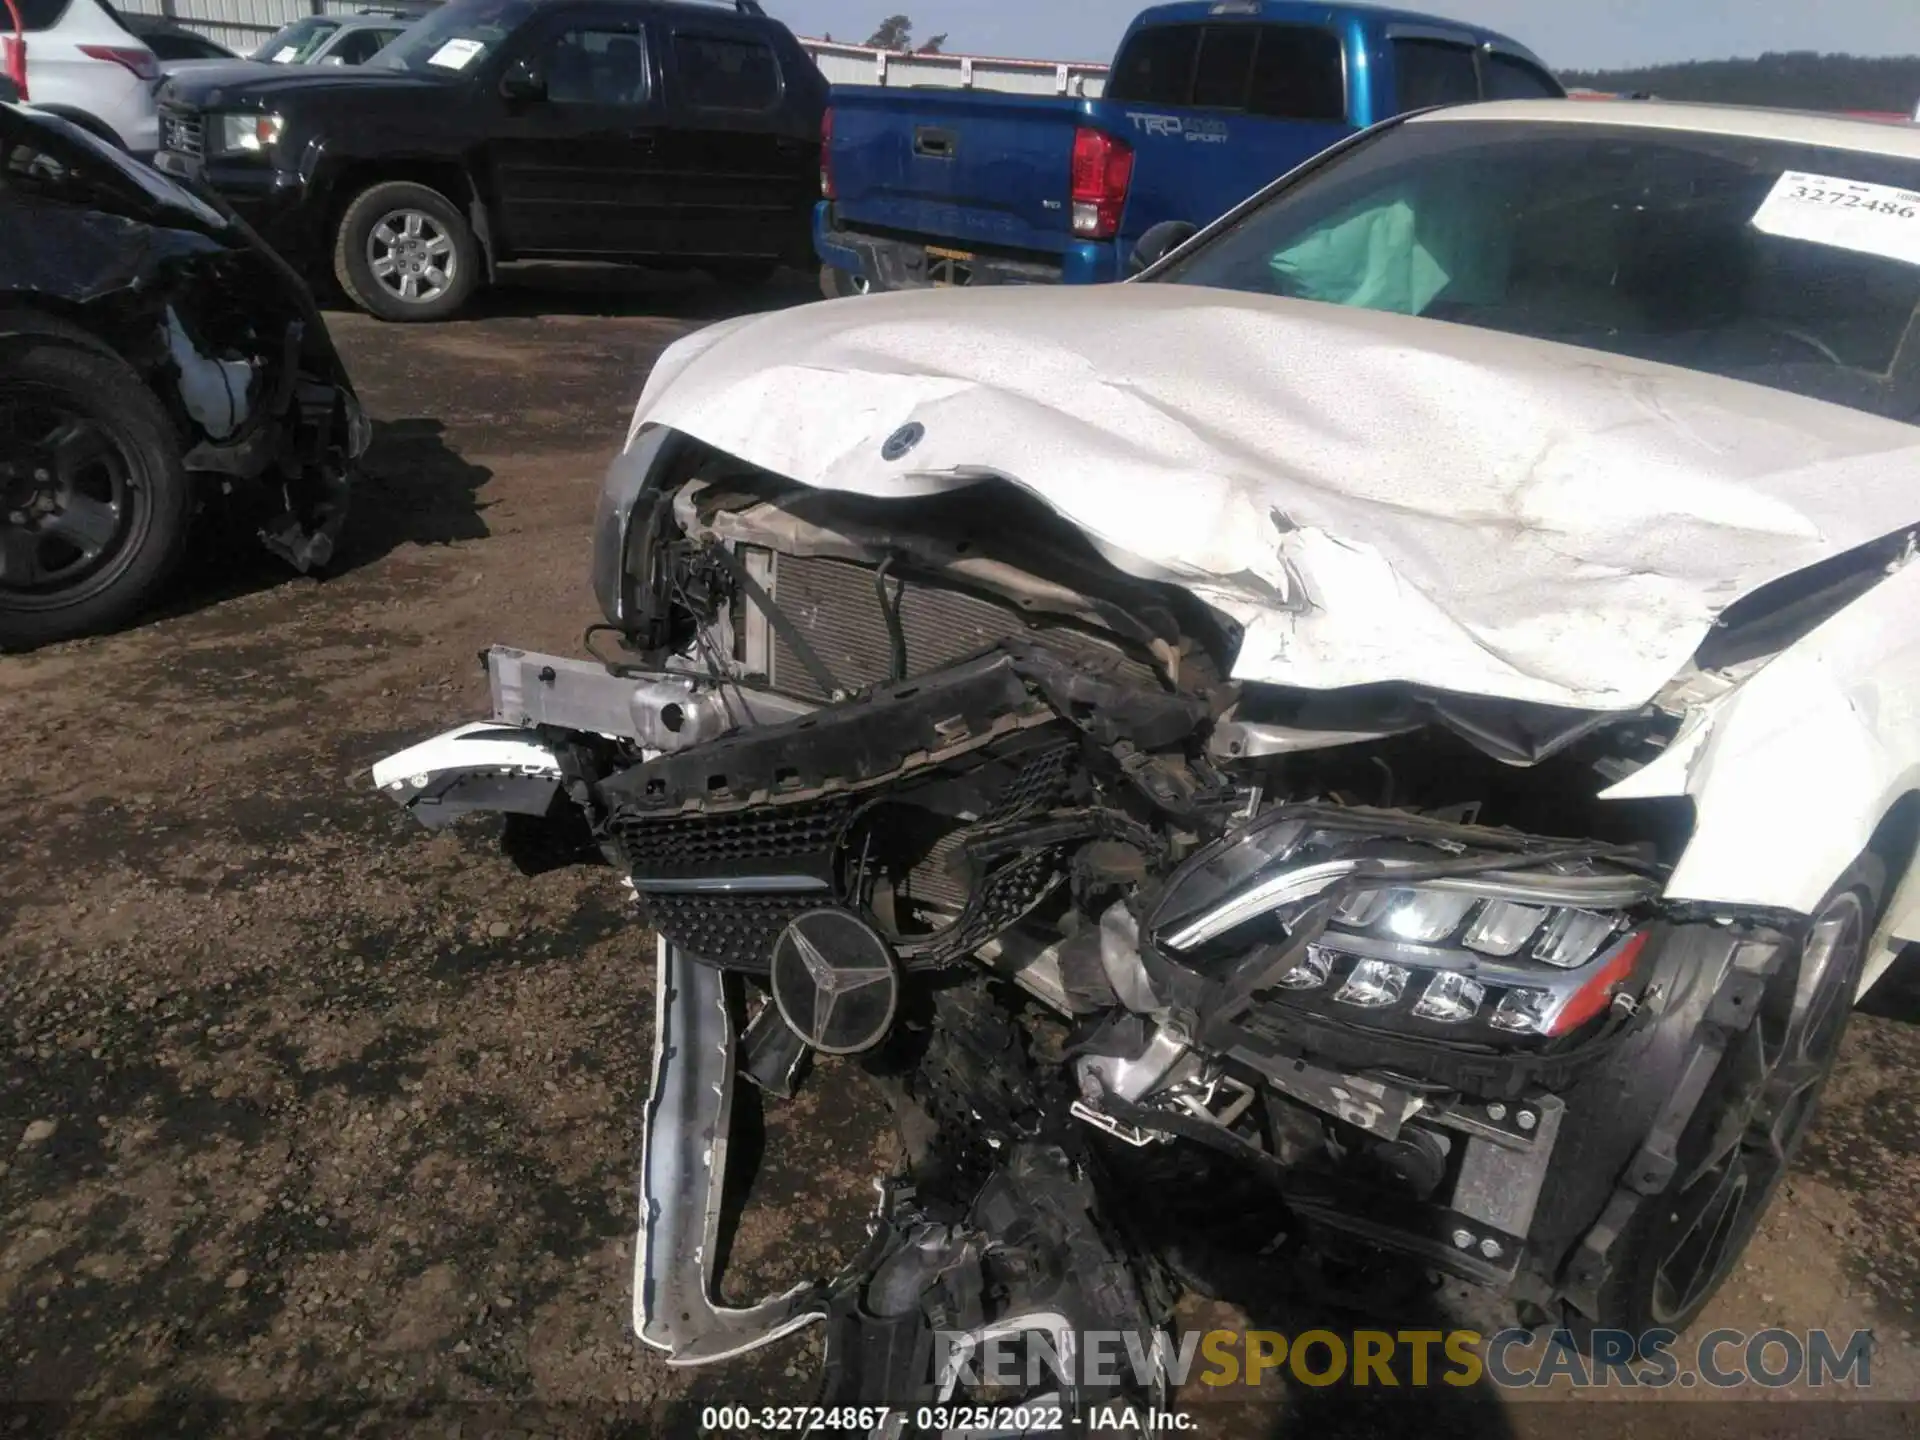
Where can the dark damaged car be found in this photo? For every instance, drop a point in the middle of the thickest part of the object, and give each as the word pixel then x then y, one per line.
pixel 156 361
pixel 1390 744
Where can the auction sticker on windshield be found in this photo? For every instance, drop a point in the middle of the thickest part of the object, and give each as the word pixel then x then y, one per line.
pixel 456 54
pixel 1848 214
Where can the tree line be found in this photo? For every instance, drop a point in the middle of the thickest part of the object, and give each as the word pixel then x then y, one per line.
pixel 896 33
pixel 1796 80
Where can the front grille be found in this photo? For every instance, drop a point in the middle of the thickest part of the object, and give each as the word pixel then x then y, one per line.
pixel 798 838
pixel 836 606
pixel 941 881
pixel 729 932
pixel 732 932
pixel 182 132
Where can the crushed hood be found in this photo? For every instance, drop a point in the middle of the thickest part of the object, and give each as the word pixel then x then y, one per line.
pixel 1373 498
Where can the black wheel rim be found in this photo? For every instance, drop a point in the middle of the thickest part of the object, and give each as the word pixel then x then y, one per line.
pixel 71 499
pixel 1773 1074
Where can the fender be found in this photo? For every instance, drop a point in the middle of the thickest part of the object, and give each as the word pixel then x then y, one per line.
pixel 1794 771
pixel 321 167
pixel 18 321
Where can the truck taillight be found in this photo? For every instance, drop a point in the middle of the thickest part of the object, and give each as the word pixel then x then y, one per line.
pixel 140 62
pixel 827 188
pixel 1102 175
pixel 13 61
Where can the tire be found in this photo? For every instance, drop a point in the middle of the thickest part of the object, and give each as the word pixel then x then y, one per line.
pixel 1681 1245
pixel 837 284
pixel 94 502
pixel 425 240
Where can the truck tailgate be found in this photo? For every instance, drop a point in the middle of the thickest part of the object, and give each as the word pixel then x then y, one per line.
pixel 1193 166
pixel 969 167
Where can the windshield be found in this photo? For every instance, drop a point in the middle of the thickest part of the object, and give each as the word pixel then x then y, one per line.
pixel 1787 265
pixel 454 38
pixel 295 44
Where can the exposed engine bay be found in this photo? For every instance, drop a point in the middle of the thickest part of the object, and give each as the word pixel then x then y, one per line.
pixel 1227 976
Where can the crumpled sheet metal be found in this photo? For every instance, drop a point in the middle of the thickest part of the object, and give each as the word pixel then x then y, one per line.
pixel 1374 498
pixel 1792 770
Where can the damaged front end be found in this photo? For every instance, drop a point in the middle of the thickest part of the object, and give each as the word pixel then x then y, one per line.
pixel 255 414
pixel 1175 979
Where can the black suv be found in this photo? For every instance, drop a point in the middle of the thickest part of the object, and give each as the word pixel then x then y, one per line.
pixel 498 130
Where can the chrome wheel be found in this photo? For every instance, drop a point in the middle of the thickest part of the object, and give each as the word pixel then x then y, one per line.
pixel 411 256
pixel 69 500
pixel 1773 1074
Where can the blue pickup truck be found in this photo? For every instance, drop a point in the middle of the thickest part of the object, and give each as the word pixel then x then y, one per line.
pixel 1207 102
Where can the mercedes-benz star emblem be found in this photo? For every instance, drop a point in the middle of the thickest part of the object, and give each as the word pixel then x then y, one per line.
pixel 835 982
pixel 902 441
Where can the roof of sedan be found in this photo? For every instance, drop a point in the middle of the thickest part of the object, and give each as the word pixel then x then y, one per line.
pixel 1803 127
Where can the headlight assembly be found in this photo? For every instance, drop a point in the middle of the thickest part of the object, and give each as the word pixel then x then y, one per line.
pixel 1413 924
pixel 240 136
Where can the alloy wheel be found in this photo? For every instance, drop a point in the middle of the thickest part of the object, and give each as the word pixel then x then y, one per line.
pixel 1775 1070
pixel 411 256
pixel 70 499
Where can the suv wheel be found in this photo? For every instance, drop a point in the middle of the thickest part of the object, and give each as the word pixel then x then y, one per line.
pixel 1756 1110
pixel 94 503
pixel 837 284
pixel 404 252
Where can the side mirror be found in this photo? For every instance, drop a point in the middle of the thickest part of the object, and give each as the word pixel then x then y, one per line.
pixel 525 80
pixel 1159 242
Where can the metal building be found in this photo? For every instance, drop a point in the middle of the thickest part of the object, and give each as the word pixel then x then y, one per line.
pixel 241 25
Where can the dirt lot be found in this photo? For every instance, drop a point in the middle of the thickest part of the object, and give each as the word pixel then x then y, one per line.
pixel 302 1104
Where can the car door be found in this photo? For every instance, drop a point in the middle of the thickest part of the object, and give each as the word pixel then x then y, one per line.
pixel 743 174
pixel 574 168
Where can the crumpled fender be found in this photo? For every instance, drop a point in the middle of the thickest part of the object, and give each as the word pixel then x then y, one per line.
pixel 1375 499
pixel 1793 770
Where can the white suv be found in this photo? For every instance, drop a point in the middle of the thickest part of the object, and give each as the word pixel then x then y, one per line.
pixel 83 66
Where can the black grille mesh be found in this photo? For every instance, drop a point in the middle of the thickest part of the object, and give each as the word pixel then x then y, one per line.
pixel 707 845
pixel 737 932
pixel 730 932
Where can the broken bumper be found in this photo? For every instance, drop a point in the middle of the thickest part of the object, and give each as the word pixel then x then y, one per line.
pixel 512 764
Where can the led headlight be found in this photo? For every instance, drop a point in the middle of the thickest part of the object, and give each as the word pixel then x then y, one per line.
pixel 1312 971
pixel 246 135
pixel 1373 985
pixel 1424 916
pixel 1573 937
pixel 1502 937
pixel 1503 927
pixel 1450 998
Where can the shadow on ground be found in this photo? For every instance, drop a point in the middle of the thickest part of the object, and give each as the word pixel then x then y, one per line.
pixel 540 289
pixel 413 489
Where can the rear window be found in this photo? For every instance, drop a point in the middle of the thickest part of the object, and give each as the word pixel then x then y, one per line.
pixel 1289 72
pixel 36 14
pixel 297 43
pixel 1433 72
pixel 1503 77
pixel 719 74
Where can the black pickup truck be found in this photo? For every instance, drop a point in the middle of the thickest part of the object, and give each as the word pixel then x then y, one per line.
pixel 497 130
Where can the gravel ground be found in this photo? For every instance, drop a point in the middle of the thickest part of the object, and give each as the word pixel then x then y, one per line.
pixel 303 1105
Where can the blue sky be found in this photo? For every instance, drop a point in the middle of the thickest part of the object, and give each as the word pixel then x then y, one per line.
pixel 1569 34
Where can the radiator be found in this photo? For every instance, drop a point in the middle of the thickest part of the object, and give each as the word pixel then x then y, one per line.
pixel 835 606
